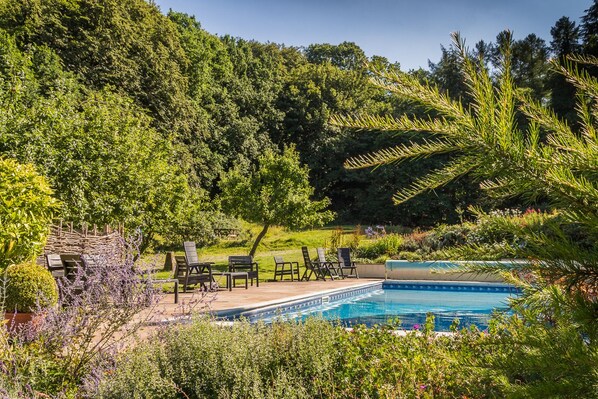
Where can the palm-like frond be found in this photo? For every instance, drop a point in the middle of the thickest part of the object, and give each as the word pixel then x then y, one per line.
pixel 402 152
pixel 459 167
pixel 484 139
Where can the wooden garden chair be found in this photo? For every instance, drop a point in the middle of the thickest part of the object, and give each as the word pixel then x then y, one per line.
pixel 345 263
pixel 327 267
pixel 244 263
pixel 312 268
pixel 280 268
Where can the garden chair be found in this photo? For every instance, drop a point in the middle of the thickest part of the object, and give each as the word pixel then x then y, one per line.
pixel 281 270
pixel 73 265
pixel 187 274
pixel 327 267
pixel 345 262
pixel 196 267
pixel 311 268
pixel 244 263
pixel 55 265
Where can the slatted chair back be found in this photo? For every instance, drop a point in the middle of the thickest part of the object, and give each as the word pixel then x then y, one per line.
pixel 244 263
pixel 321 255
pixel 345 262
pixel 327 268
pixel 278 259
pixel 240 262
pixel 181 268
pixel 344 257
pixel 72 265
pixel 191 253
pixel 55 265
pixel 306 257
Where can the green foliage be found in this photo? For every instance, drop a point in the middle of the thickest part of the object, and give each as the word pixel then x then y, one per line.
pixel 486 142
pixel 311 359
pixel 105 162
pixel 202 360
pixel 387 245
pixel 542 351
pixel 276 193
pixel 125 44
pixel 26 210
pixel 29 287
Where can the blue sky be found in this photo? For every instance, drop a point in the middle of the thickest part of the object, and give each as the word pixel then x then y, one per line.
pixel 409 32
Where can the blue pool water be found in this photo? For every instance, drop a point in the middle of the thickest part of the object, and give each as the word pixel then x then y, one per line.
pixel 470 304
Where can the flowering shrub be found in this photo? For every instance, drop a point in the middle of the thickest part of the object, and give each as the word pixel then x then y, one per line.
pixel 375 232
pixel 314 359
pixel 387 245
pixel 99 309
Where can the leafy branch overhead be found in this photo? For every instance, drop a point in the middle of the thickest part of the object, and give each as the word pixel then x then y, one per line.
pixel 484 139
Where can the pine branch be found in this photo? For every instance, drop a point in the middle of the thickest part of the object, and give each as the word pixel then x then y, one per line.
pixel 402 152
pixel 438 178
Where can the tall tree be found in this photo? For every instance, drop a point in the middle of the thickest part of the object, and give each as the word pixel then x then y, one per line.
pixel 126 44
pixel 346 56
pixel 277 192
pixel 565 41
pixel 589 29
pixel 530 65
pixel 96 147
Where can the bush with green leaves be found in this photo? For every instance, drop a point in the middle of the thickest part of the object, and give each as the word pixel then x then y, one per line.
pixel 26 210
pixel 301 360
pixel 387 245
pixel 29 287
pixel 277 192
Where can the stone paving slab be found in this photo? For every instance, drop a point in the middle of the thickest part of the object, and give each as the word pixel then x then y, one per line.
pixel 267 293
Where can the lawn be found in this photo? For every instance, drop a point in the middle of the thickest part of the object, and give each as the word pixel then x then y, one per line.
pixel 278 242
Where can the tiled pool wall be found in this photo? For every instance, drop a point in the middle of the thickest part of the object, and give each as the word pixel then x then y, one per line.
pixel 300 304
pixel 317 300
pixel 445 286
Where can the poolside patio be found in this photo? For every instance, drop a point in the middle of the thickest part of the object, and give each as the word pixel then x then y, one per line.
pixel 268 293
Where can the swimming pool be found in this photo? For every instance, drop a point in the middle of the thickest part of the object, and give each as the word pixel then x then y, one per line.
pixel 410 301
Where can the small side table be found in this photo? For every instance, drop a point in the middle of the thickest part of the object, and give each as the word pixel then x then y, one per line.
pixel 232 276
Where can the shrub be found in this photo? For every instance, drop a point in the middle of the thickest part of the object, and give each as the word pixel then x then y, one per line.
pixel 25 212
pixel 313 359
pixel 29 287
pixel 60 353
pixel 387 245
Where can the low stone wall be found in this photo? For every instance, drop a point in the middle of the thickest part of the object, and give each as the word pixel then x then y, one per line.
pixel 371 270
pixel 431 270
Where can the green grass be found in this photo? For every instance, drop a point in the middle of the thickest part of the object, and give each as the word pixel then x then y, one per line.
pixel 278 242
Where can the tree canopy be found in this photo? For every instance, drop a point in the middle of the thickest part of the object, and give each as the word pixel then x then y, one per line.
pixel 277 192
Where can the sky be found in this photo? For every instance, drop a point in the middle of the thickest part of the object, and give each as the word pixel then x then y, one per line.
pixel 410 32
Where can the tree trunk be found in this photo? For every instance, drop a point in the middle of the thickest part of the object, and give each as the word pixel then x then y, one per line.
pixel 258 239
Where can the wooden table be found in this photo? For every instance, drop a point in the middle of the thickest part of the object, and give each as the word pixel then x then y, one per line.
pixel 232 276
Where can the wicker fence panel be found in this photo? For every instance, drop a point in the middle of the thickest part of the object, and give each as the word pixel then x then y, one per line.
pixel 66 239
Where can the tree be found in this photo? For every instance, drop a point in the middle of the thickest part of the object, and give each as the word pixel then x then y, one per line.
pixel 589 30
pixel 105 162
pixel 277 192
pixel 485 142
pixel 530 65
pixel 127 44
pixel 345 56
pixel 565 41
